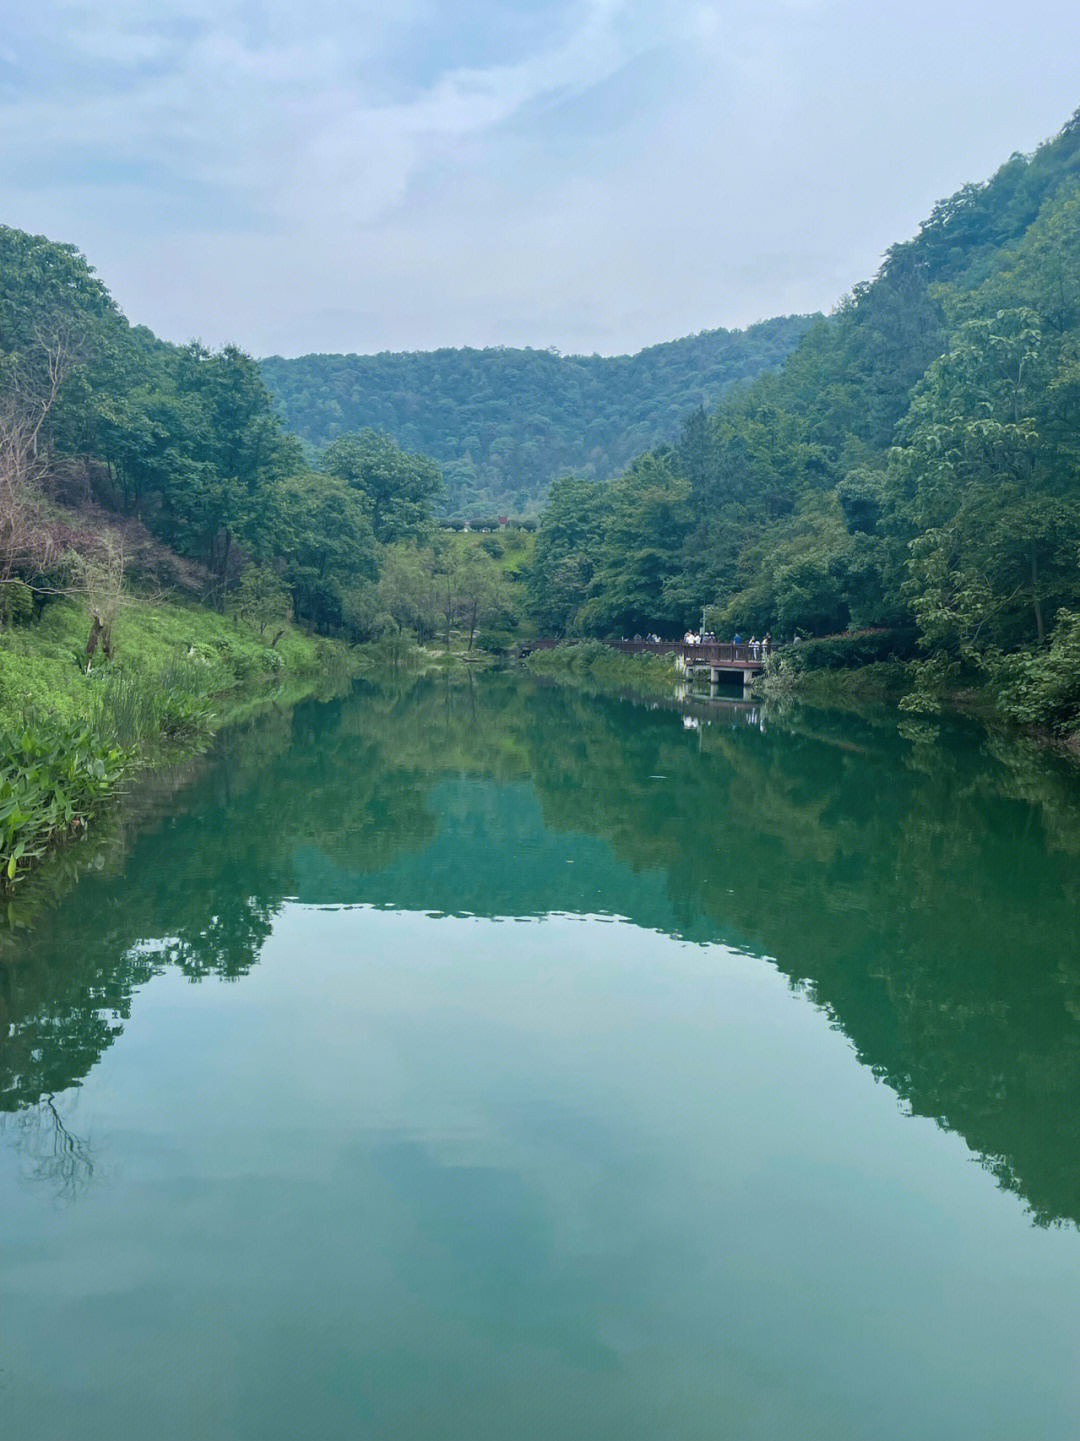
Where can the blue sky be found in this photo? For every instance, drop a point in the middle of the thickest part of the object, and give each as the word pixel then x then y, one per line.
pixel 362 175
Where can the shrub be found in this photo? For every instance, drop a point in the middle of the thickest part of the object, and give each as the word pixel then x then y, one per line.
pixel 16 602
pixel 839 652
pixel 396 647
pixel 496 641
pixel 1044 689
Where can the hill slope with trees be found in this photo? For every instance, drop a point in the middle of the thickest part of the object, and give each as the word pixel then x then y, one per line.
pixel 503 423
pixel 912 468
pixel 160 529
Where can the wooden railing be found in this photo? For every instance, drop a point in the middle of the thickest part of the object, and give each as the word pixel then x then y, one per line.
pixel 721 653
pixel 715 652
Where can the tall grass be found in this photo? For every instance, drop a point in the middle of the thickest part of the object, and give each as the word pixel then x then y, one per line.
pixel 133 706
pixel 55 774
pixel 67 738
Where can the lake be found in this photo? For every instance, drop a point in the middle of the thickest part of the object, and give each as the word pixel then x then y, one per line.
pixel 467 1057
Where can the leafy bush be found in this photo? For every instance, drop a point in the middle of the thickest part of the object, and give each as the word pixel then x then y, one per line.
pixel 496 641
pixel 1044 689
pixel 839 652
pixel 396 647
pixel 16 602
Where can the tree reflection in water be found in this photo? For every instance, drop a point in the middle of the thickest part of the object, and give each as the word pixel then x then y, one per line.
pixel 54 1157
pixel 924 890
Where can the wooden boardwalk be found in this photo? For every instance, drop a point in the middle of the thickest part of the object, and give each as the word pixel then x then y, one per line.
pixel 712 655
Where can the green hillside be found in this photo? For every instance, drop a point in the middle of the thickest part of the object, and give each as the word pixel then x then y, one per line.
pixel 502 423
pixel 913 467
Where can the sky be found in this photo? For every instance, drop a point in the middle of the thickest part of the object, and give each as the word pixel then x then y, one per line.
pixel 593 175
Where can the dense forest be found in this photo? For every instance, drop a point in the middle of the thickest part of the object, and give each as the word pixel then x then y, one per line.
pixel 911 470
pixel 502 423
pixel 905 483
pixel 128 463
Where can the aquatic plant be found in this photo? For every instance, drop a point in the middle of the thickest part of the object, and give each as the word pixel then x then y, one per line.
pixel 133 705
pixel 54 776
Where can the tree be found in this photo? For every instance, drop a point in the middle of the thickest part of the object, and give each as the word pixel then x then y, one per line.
pixel 397 486
pixel 55 317
pixel 567 553
pixel 504 424
pixel 99 575
pixel 263 599
pixel 481 595
pixel 633 589
pixel 409 589
pixel 986 489
pixel 329 549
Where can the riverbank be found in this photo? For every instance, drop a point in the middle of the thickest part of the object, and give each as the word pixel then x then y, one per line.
pixel 73 730
pixel 654 674
pixel 592 660
pixel 840 684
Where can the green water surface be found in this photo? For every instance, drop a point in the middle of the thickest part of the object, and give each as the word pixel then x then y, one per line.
pixel 480 1060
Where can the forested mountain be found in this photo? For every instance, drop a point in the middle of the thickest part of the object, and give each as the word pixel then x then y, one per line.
pixel 106 431
pixel 914 464
pixel 502 423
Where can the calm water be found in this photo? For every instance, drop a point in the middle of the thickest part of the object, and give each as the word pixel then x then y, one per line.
pixel 477 1059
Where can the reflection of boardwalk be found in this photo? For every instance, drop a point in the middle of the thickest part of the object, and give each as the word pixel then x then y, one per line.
pixel 702 709
pixel 732 713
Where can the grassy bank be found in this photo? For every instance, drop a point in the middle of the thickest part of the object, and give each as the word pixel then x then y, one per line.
pixel 69 735
pixel 593 661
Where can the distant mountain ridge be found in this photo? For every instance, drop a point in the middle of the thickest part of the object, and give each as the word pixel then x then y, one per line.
pixel 502 423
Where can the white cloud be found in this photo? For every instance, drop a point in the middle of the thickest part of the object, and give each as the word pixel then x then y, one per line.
pixel 600 174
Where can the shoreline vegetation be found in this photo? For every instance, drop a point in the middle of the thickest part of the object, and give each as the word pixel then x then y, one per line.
pixel 600 665
pixel 798 675
pixel 165 542
pixel 74 735
pixel 901 492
